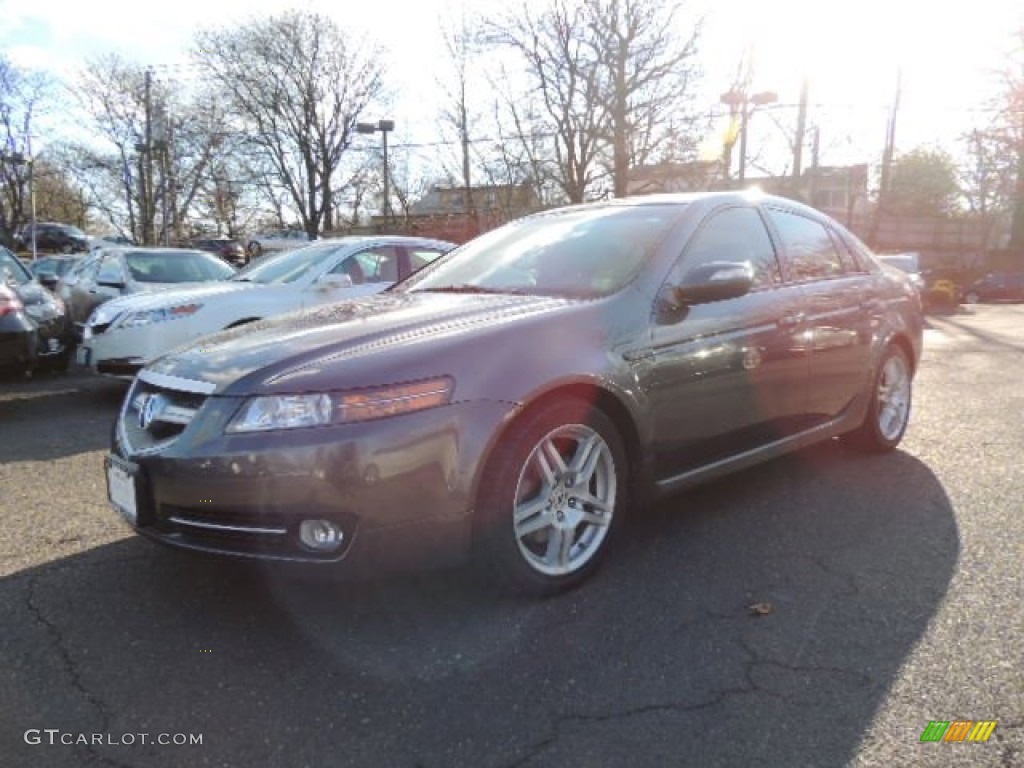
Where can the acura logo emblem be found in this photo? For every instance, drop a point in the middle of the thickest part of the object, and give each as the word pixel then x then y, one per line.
pixel 150 406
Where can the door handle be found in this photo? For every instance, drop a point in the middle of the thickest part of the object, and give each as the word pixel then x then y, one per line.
pixel 791 319
pixel 635 355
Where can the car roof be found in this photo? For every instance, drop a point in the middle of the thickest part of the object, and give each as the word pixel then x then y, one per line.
pixel 705 200
pixel 370 239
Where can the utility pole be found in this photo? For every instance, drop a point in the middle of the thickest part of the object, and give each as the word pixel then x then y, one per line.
pixel 887 158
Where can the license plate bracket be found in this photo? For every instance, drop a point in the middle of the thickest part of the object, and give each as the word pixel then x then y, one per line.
pixel 122 488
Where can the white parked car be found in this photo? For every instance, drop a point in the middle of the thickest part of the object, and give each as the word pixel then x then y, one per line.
pixel 124 335
pixel 282 240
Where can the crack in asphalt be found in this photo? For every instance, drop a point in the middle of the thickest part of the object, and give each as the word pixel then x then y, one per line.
pixel 751 687
pixel 71 670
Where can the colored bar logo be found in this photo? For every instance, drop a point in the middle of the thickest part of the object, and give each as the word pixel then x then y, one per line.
pixel 959 730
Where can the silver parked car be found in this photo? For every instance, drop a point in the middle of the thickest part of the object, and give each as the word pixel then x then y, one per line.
pixel 114 272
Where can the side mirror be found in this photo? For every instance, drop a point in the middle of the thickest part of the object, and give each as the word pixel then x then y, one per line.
pixel 714 281
pixel 48 279
pixel 333 280
pixel 111 282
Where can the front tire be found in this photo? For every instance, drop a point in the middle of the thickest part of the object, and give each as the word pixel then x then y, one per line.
pixel 255 249
pixel 553 497
pixel 889 409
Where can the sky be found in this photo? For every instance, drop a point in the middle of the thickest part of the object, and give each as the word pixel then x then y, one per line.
pixel 948 53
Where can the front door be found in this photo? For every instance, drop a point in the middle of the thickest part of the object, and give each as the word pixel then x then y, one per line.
pixel 727 376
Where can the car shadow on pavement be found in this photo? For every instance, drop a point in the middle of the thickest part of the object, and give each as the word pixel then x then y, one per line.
pixel 758 621
pixel 27 402
pixel 983 337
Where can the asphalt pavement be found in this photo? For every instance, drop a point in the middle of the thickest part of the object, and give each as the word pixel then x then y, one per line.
pixel 819 610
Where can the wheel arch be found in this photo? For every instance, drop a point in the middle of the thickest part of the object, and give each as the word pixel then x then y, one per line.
pixel 602 398
pixel 903 342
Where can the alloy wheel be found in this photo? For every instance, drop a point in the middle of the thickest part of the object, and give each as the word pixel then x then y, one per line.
pixel 565 500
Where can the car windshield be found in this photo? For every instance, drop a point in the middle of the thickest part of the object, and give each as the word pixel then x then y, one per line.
pixel 580 253
pixel 11 269
pixel 176 267
pixel 289 266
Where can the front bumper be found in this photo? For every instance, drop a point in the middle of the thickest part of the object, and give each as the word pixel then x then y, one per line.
pixel 26 343
pixel 123 352
pixel 401 489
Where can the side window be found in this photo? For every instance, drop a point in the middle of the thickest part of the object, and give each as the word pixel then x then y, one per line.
pixel 377 265
pixel 847 256
pixel 812 254
pixel 420 257
pixel 88 271
pixel 737 235
pixel 110 271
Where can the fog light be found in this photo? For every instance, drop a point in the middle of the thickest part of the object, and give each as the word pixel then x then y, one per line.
pixel 321 535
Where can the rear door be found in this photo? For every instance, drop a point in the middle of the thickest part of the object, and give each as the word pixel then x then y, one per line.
pixel 839 303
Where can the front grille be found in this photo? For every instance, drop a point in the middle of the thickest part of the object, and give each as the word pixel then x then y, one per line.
pixel 155 415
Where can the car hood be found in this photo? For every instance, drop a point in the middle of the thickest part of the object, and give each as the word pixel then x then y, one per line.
pixel 169 294
pixel 289 352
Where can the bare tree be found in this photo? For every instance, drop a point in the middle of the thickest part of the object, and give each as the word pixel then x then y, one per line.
pixel 647 77
pixel 58 198
pixel 153 151
pixel 987 180
pixel 23 95
pixel 1009 129
pixel 457 114
pixel 564 84
pixel 298 86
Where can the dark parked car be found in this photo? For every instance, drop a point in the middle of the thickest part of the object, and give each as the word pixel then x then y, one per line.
pixel 229 250
pixel 997 286
pixel 58 238
pixel 50 269
pixel 33 325
pixel 518 396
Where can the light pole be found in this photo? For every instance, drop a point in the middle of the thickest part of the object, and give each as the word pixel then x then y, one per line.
pixel 747 103
pixel 384 126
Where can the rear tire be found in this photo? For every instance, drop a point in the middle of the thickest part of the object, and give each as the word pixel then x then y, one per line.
pixel 889 408
pixel 554 495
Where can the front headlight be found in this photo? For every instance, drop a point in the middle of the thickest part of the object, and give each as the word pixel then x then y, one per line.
pixel 148 316
pixel 294 411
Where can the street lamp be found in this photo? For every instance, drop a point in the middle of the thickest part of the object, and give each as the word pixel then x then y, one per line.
pixel 383 126
pixel 746 104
